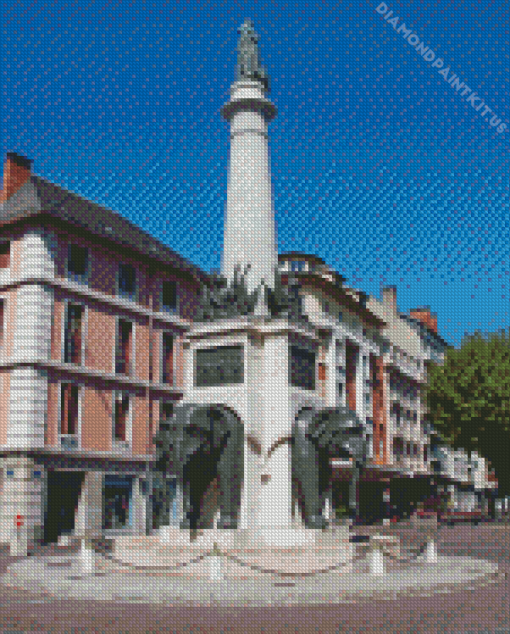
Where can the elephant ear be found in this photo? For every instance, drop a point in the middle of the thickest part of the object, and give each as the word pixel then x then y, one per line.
pixel 217 424
pixel 321 429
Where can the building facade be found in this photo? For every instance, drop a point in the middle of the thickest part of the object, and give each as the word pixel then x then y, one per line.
pixel 93 313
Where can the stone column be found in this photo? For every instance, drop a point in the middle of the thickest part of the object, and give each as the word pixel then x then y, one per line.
pixel 275 508
pixel 331 373
pixel 249 234
pixel 139 506
pixel 176 507
pixel 89 515
pixel 360 391
pixel 22 494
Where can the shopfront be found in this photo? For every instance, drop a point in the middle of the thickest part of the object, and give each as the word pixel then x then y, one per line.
pixel 118 502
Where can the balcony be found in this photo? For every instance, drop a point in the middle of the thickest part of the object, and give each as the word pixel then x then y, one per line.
pixel 120 446
pixel 69 441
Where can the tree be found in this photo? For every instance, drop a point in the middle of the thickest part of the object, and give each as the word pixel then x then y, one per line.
pixel 468 399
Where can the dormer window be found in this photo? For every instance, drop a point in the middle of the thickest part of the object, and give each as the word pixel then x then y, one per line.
pixel 5 255
pixel 127 281
pixel 77 262
pixel 169 296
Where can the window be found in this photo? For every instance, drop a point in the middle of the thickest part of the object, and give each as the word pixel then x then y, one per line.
pixel 167 356
pixel 77 262
pixel 302 368
pixel 219 366
pixel 121 413
pixel 127 281
pixel 169 296
pixel 326 307
pixel 2 319
pixel 297 265
pixel 166 411
pixel 396 412
pixel 5 255
pixel 73 334
pixel 69 409
pixel 123 347
pixel 425 453
pixel 340 316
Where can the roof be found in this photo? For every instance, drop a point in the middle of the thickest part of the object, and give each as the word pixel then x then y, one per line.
pixel 38 196
pixel 422 326
pixel 299 254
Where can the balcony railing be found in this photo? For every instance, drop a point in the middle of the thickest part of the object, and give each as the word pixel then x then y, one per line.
pixel 69 441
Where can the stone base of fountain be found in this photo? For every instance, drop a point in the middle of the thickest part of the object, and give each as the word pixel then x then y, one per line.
pixel 251 551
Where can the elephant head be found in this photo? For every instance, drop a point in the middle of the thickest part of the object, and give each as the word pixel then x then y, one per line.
pixel 334 429
pixel 319 436
pixel 199 443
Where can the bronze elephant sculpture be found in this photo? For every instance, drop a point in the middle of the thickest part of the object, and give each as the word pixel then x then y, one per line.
pixel 198 444
pixel 319 435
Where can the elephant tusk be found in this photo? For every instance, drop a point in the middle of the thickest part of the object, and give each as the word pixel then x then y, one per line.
pixel 275 445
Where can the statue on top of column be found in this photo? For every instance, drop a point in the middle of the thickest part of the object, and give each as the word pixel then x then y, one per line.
pixel 248 62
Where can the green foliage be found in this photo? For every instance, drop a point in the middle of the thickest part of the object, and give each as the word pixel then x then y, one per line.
pixel 468 398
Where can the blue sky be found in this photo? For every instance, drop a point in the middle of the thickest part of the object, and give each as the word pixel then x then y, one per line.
pixel 380 166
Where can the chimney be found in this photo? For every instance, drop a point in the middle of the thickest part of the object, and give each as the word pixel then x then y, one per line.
pixel 426 317
pixel 17 171
pixel 389 295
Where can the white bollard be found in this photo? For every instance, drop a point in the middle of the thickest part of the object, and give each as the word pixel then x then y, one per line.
pixel 376 560
pixel 164 534
pixel 86 558
pixel 19 542
pixel 215 567
pixel 431 553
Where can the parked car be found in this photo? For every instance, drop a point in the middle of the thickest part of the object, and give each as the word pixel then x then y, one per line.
pixel 452 517
pixel 426 515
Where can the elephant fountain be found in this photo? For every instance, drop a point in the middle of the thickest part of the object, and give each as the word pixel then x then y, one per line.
pixel 198 444
pixel 319 435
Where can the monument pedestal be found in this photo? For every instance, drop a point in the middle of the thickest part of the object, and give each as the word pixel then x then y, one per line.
pixel 246 553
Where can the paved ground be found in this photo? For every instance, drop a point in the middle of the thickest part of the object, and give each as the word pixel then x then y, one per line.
pixel 465 611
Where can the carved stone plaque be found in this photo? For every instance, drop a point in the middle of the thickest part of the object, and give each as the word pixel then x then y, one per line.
pixel 219 366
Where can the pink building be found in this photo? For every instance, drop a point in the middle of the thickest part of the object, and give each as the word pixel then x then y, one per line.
pixel 92 315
